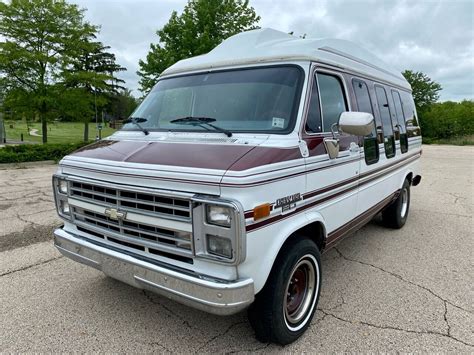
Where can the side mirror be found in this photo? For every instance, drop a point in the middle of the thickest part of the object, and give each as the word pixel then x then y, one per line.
pixel 356 123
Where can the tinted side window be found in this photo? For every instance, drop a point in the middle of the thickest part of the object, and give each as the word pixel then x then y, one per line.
pixel 364 104
pixel 399 110
pixel 401 121
pixel 384 111
pixel 409 109
pixel 332 99
pixel 313 120
pixel 362 96
pixel 389 139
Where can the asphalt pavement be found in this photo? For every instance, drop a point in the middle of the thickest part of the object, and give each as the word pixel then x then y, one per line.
pixel 407 290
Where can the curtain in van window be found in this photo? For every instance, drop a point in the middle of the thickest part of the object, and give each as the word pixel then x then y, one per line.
pixel 332 99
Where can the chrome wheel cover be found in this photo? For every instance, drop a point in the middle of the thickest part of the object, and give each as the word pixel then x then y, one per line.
pixel 301 292
pixel 404 209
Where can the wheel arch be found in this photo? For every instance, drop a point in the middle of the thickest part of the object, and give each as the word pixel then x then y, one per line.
pixel 310 224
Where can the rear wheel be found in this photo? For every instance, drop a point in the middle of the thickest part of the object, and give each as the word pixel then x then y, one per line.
pixel 396 214
pixel 283 310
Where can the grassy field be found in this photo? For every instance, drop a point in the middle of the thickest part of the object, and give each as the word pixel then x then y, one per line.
pixel 58 132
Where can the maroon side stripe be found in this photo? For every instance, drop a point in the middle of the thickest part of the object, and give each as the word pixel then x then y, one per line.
pixel 277 218
pixel 357 222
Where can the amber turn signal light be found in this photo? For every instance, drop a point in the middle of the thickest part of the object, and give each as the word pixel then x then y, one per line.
pixel 261 211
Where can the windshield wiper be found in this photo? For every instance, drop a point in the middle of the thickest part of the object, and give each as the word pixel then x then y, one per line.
pixel 199 121
pixel 136 121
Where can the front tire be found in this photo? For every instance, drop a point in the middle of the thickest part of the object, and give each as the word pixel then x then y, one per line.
pixel 283 310
pixel 396 214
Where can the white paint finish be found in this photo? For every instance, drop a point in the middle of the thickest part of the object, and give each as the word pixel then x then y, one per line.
pixel 132 175
pixel 268 45
pixel 339 170
pixel 264 244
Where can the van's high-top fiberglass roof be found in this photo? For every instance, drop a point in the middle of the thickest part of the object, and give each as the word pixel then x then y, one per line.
pixel 268 45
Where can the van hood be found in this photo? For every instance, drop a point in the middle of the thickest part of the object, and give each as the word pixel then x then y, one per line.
pixel 166 165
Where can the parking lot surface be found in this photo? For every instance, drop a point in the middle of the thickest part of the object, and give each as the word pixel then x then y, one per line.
pixel 383 290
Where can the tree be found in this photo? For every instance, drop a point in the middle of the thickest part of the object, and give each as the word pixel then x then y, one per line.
pixel 425 91
pixel 202 26
pixel 121 105
pixel 90 81
pixel 449 119
pixel 40 38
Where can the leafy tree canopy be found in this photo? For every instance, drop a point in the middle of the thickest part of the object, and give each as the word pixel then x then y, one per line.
pixel 425 91
pixel 41 38
pixel 51 63
pixel 202 26
pixel 90 82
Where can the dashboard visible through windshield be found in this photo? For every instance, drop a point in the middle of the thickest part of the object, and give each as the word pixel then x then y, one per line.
pixel 260 100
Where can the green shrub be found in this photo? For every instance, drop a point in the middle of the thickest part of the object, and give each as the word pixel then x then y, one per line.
pixel 444 120
pixel 37 152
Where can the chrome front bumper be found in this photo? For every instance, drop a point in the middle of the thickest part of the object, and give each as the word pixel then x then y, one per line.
pixel 197 291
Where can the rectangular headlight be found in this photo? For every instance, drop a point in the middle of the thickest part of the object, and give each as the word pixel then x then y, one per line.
pixel 218 229
pixel 63 186
pixel 64 206
pixel 219 246
pixel 219 215
pixel 61 190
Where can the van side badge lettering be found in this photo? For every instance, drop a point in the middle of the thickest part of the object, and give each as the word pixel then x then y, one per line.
pixel 288 202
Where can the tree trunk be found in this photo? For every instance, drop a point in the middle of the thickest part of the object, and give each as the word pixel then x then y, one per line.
pixel 44 127
pixel 44 124
pixel 86 131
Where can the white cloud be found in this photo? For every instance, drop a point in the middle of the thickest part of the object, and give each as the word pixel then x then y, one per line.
pixel 436 37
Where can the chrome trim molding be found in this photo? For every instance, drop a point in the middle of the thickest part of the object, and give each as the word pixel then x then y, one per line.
pixel 201 292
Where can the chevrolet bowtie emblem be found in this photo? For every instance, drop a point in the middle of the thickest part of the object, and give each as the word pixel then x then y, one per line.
pixel 112 213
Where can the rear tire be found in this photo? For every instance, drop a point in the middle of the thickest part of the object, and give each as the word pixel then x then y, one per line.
pixel 283 310
pixel 396 214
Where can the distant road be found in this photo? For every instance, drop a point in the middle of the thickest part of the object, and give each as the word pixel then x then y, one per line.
pixel 34 132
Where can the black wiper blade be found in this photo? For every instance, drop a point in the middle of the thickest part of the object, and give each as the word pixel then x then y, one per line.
pixel 136 121
pixel 195 120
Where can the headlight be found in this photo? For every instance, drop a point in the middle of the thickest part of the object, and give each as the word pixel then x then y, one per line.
pixel 63 187
pixel 218 229
pixel 218 215
pixel 64 207
pixel 61 190
pixel 219 246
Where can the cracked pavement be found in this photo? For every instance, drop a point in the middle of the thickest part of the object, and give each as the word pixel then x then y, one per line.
pixel 383 290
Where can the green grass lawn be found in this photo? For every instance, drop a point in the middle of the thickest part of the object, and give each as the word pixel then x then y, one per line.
pixel 58 132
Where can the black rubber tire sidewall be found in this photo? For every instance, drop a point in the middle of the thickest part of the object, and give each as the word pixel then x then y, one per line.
pixel 392 217
pixel 266 314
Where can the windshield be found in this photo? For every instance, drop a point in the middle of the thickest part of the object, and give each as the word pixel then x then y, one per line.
pixel 245 100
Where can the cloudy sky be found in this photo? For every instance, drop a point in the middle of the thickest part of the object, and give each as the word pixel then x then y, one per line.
pixel 435 37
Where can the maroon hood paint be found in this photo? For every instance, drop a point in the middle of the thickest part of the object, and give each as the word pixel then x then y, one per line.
pixel 192 155
pixel 188 155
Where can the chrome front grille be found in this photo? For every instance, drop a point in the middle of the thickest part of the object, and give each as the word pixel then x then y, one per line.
pixel 131 200
pixel 153 224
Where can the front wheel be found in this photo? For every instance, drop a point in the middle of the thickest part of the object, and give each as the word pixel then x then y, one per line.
pixel 283 310
pixel 396 214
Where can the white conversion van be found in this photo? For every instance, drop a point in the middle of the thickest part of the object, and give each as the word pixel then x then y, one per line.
pixel 238 170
